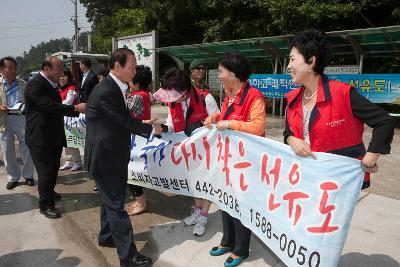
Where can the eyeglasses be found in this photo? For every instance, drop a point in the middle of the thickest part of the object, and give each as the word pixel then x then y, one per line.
pixel 199 68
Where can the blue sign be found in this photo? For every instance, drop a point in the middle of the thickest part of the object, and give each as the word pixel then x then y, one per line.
pixel 378 88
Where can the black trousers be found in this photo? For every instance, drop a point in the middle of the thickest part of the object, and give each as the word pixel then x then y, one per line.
pixel 235 236
pixel 47 163
pixel 115 224
pixel 135 190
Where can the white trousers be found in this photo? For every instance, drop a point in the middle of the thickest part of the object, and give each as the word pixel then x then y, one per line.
pixel 74 154
pixel 15 126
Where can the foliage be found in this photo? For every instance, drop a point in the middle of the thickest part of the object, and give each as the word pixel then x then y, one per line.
pixel 181 22
pixel 32 59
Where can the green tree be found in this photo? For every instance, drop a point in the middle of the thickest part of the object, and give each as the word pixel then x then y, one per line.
pixel 32 59
pixel 180 22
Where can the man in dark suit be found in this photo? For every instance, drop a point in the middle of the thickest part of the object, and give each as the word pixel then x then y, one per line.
pixel 88 81
pixel 44 133
pixel 107 153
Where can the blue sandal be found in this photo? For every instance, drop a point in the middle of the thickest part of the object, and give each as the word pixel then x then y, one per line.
pixel 217 251
pixel 230 262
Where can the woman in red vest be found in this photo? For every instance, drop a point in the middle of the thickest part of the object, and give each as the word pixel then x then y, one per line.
pixel 328 116
pixel 69 96
pixel 188 108
pixel 243 110
pixel 139 105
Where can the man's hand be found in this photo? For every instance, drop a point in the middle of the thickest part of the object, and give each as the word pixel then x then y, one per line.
pixel 157 126
pixel 157 129
pixel 3 108
pixel 150 121
pixel 80 107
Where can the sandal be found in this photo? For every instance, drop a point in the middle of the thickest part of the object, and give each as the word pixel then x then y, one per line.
pixel 139 210
pixel 131 207
pixel 231 262
pixel 218 251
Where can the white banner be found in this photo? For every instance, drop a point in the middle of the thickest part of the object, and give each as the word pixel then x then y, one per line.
pixel 75 131
pixel 300 208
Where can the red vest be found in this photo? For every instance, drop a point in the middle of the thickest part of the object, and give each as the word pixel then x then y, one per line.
pixel 196 112
pixel 332 127
pixel 147 104
pixel 64 93
pixel 239 110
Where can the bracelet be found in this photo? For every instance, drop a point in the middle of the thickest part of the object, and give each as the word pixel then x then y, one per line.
pixel 227 124
pixel 367 167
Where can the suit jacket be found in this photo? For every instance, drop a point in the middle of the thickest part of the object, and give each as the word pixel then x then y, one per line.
pixel 45 114
pixel 108 131
pixel 86 88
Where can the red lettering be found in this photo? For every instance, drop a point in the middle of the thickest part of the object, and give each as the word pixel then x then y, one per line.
pixel 207 148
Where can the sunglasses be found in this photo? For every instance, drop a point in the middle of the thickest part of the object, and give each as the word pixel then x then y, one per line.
pixel 199 68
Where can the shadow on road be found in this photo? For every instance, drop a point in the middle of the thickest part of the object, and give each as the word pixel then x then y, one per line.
pixel 24 202
pixel 355 259
pixel 162 237
pixel 17 203
pixel 72 178
pixel 38 257
pixel 71 202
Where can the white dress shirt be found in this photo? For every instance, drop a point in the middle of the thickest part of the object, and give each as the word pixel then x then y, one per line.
pixel 123 86
pixel 53 84
pixel 84 75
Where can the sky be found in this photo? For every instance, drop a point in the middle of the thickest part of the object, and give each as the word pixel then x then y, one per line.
pixel 26 23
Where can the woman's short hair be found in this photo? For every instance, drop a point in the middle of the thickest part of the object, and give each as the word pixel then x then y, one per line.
pixel 175 79
pixel 68 73
pixel 143 77
pixel 236 63
pixel 311 43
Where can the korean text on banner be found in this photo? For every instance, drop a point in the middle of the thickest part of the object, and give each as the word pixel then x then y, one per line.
pixel 300 208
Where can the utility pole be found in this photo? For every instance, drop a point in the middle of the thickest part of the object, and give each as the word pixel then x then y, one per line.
pixel 89 42
pixel 76 48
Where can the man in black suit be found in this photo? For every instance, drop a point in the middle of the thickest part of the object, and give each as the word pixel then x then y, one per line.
pixel 107 153
pixel 88 81
pixel 44 133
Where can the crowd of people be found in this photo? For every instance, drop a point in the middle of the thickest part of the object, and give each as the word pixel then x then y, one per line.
pixel 117 103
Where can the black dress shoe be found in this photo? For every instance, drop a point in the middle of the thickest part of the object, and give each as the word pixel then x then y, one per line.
pixel 106 244
pixel 30 181
pixel 50 213
pixel 139 260
pixel 57 196
pixel 11 185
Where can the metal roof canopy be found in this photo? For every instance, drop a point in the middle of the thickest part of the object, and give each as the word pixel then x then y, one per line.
pixel 371 42
pixel 77 56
